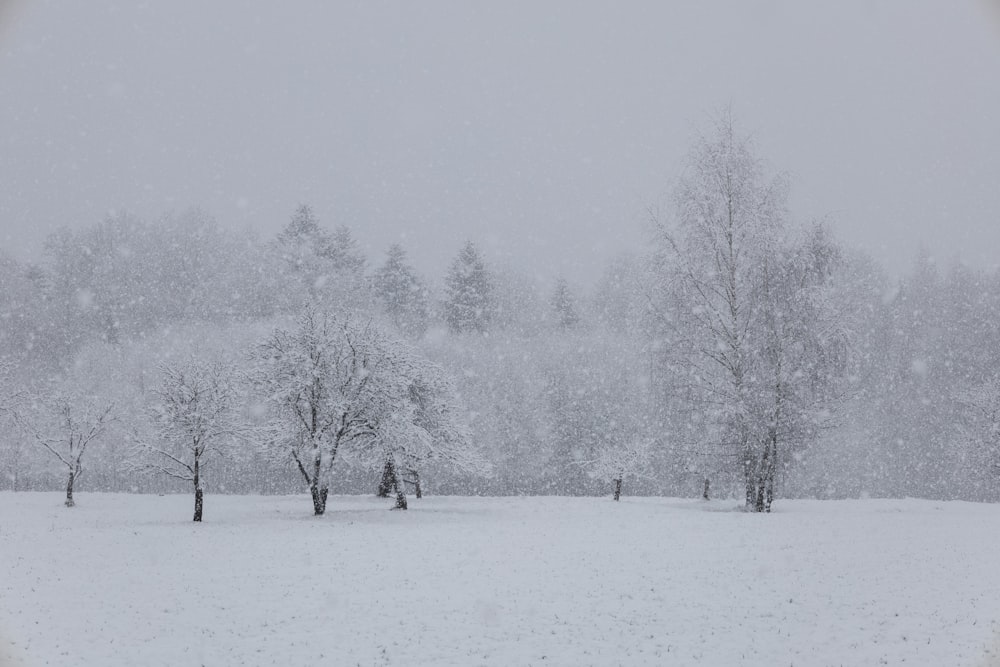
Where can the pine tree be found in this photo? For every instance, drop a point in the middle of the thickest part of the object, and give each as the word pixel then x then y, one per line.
pixel 302 228
pixel 304 248
pixel 329 265
pixel 470 291
pixel 562 303
pixel 343 252
pixel 403 294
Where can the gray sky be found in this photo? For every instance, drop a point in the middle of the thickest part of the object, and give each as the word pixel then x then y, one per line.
pixel 541 130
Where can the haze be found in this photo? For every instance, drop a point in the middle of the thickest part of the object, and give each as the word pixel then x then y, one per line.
pixel 540 130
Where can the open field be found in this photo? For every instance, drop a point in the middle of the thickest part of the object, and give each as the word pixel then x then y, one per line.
pixel 128 580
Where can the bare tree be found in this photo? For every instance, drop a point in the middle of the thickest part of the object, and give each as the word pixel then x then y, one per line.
pixel 195 419
pixel 65 426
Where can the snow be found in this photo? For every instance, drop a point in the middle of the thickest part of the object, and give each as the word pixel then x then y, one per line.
pixel 129 580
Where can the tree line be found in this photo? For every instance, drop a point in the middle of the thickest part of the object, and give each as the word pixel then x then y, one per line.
pixel 742 354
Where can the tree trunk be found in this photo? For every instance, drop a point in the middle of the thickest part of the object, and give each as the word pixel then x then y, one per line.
pixel 772 468
pixel 388 475
pixel 704 492
pixel 416 484
pixel 761 482
pixel 749 476
pixel 400 490
pixel 198 499
pixel 618 488
pixel 69 489
pixel 318 498
pixel 198 503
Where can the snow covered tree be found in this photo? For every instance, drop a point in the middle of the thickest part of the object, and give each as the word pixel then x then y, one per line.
pixel 597 398
pixel 981 429
pixel 10 395
pixel 403 294
pixel 420 422
pixel 64 425
pixel 11 446
pixel 564 305
pixel 618 461
pixel 324 381
pixel 741 322
pixel 195 420
pixel 800 357
pixel 344 254
pixel 303 247
pixel 469 293
pixel 327 267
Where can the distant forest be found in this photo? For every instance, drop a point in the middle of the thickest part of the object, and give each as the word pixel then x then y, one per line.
pixel 741 355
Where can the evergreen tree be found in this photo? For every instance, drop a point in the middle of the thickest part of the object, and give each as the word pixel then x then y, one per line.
pixel 562 303
pixel 302 228
pixel 403 294
pixel 469 291
pixel 329 265
pixel 343 252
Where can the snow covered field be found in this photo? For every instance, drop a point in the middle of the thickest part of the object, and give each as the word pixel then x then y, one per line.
pixel 129 580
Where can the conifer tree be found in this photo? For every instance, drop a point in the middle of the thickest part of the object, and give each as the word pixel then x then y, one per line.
pixel 469 291
pixel 403 294
pixel 562 303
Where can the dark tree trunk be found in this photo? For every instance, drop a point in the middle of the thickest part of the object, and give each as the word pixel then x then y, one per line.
pixel 198 498
pixel 618 488
pixel 388 475
pixel 198 504
pixel 772 467
pixel 704 492
pixel 416 485
pixel 69 489
pixel 761 487
pixel 761 484
pixel 749 476
pixel 400 490
pixel 318 498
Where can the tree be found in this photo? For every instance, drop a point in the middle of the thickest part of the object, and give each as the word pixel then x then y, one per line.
pixel 737 315
pixel 620 460
pixel 11 398
pixel 327 267
pixel 343 253
pixel 981 429
pixel 469 293
pixel 403 294
pixel 65 425
pixel 195 420
pixel 564 306
pixel 323 381
pixel 419 422
pixel 304 247
pixel 800 356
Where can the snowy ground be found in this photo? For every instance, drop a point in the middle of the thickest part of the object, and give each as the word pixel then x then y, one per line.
pixel 127 580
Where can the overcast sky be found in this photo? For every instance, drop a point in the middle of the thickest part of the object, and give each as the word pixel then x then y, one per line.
pixel 541 130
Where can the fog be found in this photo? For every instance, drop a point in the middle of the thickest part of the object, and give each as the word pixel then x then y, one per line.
pixel 542 131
